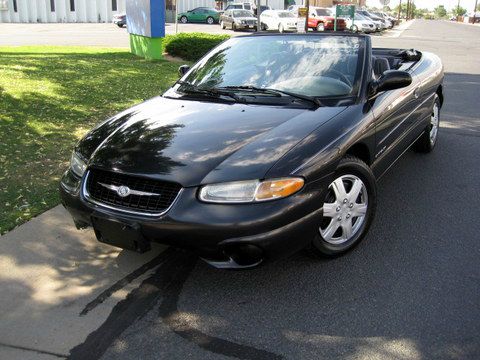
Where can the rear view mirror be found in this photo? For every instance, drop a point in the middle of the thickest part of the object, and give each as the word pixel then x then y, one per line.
pixel 183 69
pixel 390 80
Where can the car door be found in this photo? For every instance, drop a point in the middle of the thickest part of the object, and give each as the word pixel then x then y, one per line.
pixel 195 15
pixel 394 112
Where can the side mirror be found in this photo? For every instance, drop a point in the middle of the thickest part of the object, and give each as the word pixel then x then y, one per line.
pixel 183 69
pixel 390 80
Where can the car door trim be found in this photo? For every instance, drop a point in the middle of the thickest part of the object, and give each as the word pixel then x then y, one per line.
pixel 404 119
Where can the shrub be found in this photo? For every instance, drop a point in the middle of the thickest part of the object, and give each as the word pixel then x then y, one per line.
pixel 192 46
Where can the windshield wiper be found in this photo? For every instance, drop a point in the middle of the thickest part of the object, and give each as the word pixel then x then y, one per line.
pixel 190 88
pixel 274 92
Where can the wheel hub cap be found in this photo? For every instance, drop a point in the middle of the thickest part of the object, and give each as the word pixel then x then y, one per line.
pixel 344 209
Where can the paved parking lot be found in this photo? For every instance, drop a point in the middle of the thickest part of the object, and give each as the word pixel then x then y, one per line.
pixel 105 34
pixel 411 290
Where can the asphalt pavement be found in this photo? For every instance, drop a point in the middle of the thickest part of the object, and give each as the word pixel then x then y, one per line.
pixel 410 290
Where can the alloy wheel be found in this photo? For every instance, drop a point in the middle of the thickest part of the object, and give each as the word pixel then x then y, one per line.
pixel 183 19
pixel 434 120
pixel 344 209
pixel 210 20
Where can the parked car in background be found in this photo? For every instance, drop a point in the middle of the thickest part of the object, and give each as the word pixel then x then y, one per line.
pixel 120 20
pixel 280 20
pixel 360 24
pixel 321 19
pixel 376 19
pixel 378 24
pixel 387 17
pixel 241 6
pixel 294 9
pixel 200 15
pixel 238 20
pixel 262 9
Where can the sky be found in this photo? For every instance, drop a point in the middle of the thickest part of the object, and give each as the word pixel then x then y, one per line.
pixel 429 4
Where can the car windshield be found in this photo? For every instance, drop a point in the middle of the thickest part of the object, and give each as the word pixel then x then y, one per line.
pixel 242 13
pixel 323 12
pixel 314 66
pixel 285 14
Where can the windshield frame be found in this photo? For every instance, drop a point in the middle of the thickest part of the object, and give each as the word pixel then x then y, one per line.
pixel 360 88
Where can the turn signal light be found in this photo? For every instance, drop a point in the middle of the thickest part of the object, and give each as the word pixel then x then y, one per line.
pixel 278 188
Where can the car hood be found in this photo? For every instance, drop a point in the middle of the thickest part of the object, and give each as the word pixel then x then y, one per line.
pixel 246 18
pixel 198 142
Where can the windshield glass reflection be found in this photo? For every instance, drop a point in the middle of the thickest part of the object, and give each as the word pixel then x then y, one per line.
pixel 316 66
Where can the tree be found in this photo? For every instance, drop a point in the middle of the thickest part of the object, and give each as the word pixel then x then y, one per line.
pixel 420 13
pixel 459 11
pixel 403 13
pixel 440 11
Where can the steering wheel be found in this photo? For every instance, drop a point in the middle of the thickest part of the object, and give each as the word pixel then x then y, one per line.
pixel 339 75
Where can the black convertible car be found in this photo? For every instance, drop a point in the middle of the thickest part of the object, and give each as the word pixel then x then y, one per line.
pixel 269 144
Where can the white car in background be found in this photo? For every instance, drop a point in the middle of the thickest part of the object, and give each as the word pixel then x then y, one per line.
pixel 281 20
pixel 360 23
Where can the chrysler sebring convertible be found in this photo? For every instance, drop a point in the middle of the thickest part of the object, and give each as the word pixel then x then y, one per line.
pixel 269 144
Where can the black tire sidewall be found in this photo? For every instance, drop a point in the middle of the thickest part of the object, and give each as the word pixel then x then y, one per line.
pixel 181 19
pixel 212 21
pixel 351 166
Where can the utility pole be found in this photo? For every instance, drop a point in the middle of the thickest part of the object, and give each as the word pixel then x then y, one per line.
pixel 408 10
pixel 259 25
pixel 307 3
pixel 399 10
pixel 475 11
pixel 176 17
pixel 412 15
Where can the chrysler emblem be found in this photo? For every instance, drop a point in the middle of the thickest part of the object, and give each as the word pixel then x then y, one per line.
pixel 123 191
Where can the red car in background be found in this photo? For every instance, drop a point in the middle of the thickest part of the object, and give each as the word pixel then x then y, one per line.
pixel 321 19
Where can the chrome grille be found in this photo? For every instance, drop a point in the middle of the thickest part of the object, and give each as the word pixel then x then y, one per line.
pixel 100 184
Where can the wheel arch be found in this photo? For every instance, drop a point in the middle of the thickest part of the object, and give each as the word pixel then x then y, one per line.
pixel 361 151
pixel 440 94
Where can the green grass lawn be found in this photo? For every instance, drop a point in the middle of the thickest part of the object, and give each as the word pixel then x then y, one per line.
pixel 49 98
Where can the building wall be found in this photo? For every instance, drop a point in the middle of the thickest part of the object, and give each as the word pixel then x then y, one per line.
pixel 32 11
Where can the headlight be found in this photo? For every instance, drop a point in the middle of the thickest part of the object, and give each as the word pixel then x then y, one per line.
pixel 77 165
pixel 250 191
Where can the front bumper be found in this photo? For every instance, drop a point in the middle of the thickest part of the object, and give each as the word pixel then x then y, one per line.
pixel 225 235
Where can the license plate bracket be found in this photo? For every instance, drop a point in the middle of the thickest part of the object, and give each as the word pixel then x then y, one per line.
pixel 120 234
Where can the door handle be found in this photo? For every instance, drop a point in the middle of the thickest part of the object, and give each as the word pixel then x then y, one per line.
pixel 416 93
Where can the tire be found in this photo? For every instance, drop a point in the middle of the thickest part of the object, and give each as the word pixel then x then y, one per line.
pixel 354 28
pixel 427 141
pixel 234 27
pixel 183 19
pixel 281 29
pixel 320 27
pixel 332 239
pixel 263 27
pixel 120 25
pixel 210 20
pixel 222 25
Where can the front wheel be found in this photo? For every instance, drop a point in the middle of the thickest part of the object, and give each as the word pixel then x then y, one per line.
pixel 320 27
pixel 348 208
pixel 210 20
pixel 354 28
pixel 183 19
pixel 426 142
